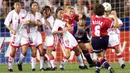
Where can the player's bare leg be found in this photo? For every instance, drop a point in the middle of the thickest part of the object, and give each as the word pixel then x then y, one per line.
pixel 50 58
pixel 11 59
pixel 120 57
pixel 66 53
pixel 85 49
pixel 42 54
pixel 22 57
pixel 102 61
pixel 79 58
pixel 47 63
pixel 33 57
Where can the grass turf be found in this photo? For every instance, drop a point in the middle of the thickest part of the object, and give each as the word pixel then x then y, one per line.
pixel 70 68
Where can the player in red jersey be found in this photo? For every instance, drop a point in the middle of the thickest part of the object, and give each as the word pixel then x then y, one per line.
pixel 70 17
pixel 100 26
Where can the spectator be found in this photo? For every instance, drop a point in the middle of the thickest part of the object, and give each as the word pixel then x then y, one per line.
pixel 0 3
pixel 80 8
pixel 53 6
pixel 4 10
pixel 43 3
pixel 27 4
pixel 66 3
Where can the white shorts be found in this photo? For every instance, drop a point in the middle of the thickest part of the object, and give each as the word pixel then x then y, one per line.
pixel 19 40
pixel 35 38
pixel 68 41
pixel 51 41
pixel 113 40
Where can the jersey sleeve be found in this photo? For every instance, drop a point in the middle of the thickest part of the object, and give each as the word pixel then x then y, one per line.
pixel 66 18
pixel 8 19
pixel 52 21
pixel 42 21
pixel 28 17
pixel 55 27
pixel 38 16
pixel 120 22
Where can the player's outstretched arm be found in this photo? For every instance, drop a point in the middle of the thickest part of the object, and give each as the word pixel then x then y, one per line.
pixel 10 29
pixel 116 24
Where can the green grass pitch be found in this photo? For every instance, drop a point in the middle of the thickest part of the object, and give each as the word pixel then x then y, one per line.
pixel 70 68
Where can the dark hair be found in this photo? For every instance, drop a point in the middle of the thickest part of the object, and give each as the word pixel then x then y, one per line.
pixel 99 10
pixel 33 3
pixel 57 10
pixel 46 7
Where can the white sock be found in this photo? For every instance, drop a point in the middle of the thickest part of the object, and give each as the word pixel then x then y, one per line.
pixel 63 63
pixel 41 62
pixel 48 65
pixel 91 55
pixel 80 60
pixel 33 62
pixel 52 63
pixel 120 59
pixel 21 59
pixel 10 62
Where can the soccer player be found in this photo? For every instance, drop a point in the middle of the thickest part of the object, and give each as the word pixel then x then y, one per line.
pixel 50 40
pixel 82 37
pixel 14 23
pixel 67 41
pixel 114 34
pixel 70 17
pixel 33 21
pixel 100 38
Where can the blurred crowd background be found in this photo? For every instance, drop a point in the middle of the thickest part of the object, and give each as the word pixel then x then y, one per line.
pixel 121 6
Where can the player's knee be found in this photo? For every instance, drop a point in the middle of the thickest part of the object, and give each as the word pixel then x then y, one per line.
pixel 34 53
pixel 67 57
pixel 12 54
pixel 77 53
pixel 24 53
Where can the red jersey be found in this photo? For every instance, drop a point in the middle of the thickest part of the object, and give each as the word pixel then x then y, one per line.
pixel 71 19
pixel 100 26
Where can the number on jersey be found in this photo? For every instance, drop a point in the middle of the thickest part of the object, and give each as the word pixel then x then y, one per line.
pixel 97 30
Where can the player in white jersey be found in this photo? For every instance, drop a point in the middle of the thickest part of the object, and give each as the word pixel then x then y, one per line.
pixel 67 41
pixel 33 21
pixel 114 34
pixel 50 40
pixel 14 22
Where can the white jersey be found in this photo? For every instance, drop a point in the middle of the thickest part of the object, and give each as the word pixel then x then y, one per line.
pixel 30 16
pixel 46 28
pixel 66 38
pixel 15 20
pixel 114 35
pixel 116 31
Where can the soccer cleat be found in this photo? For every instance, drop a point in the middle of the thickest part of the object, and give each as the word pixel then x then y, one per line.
pixel 41 69
pixel 83 67
pixel 123 66
pixel 61 68
pixel 92 65
pixel 97 71
pixel 112 70
pixel 10 70
pixel 55 68
pixel 20 67
pixel 47 69
pixel 33 69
